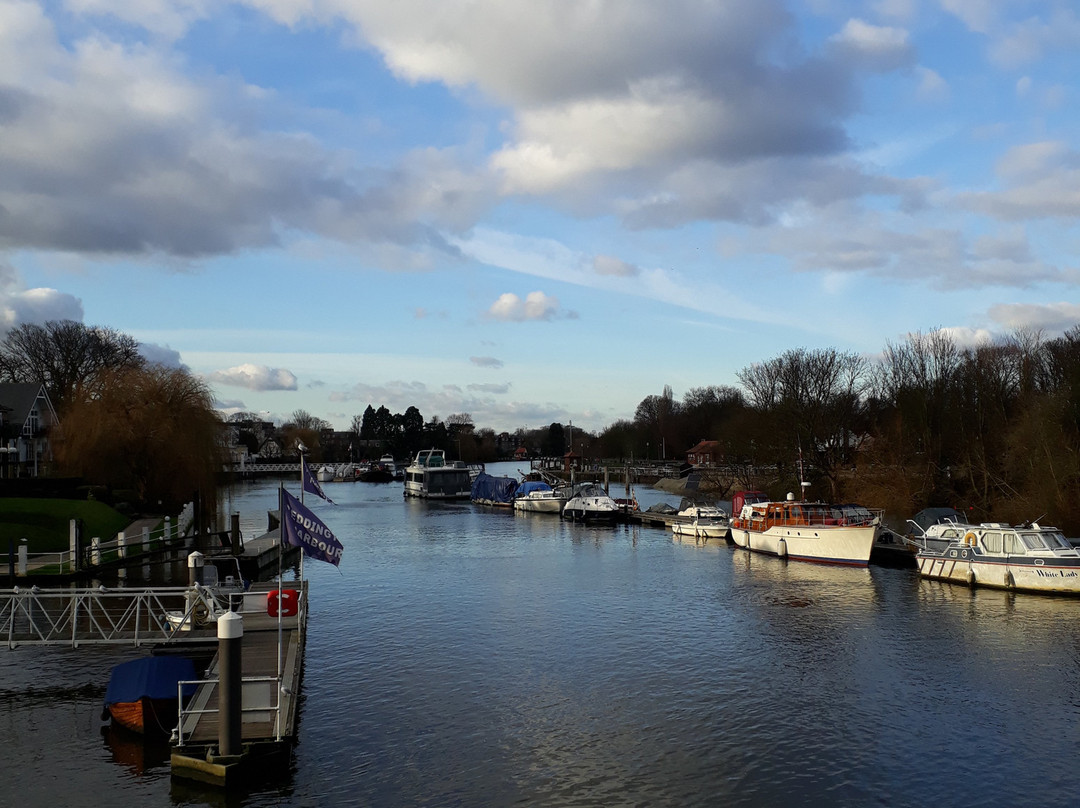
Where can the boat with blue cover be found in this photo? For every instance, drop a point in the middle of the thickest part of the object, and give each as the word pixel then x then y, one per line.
pixel 143 694
pixel 490 490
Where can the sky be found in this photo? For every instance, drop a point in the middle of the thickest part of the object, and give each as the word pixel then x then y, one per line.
pixel 531 211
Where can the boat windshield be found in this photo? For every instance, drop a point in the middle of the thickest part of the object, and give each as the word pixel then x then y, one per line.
pixel 1045 541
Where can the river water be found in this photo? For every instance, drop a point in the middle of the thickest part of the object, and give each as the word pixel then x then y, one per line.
pixel 467 656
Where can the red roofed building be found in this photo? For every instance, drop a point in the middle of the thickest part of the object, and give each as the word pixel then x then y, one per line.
pixel 706 453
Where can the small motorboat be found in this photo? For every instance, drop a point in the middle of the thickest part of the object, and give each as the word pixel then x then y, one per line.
pixel 144 694
pixel 589 502
pixel 702 522
pixel 537 496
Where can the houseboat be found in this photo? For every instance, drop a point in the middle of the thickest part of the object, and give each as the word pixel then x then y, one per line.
pixel 430 476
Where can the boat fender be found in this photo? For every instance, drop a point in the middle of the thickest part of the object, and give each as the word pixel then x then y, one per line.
pixel 781 548
pixel 969 538
pixel 971 578
pixel 1010 582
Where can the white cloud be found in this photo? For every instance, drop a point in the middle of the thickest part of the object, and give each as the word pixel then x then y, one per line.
pixel 160 355
pixel 874 47
pixel 1050 317
pixel 19 306
pixel 486 361
pixel 255 377
pixel 608 265
pixel 1041 180
pixel 536 306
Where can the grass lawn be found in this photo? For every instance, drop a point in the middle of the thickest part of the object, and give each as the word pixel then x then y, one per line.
pixel 44 523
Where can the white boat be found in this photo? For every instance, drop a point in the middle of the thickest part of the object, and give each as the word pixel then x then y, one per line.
pixel 1029 557
pixel 430 476
pixel 536 496
pixel 388 463
pixel 805 531
pixel 701 522
pixel 325 474
pixel 589 502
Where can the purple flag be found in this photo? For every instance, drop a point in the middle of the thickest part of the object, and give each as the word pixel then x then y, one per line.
pixel 309 483
pixel 302 528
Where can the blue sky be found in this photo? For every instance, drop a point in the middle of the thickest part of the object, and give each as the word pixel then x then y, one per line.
pixel 533 211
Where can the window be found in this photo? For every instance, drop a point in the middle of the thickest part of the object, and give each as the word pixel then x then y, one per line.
pixel 32 423
pixel 1013 545
pixel 991 542
pixel 1033 541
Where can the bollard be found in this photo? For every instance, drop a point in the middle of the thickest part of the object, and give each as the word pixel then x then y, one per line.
pixel 73 543
pixel 168 530
pixel 121 545
pixel 95 551
pixel 145 539
pixel 230 632
pixel 195 562
pixel 22 558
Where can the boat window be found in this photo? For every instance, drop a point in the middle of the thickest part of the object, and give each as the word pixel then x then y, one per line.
pixel 950 533
pixel 1013 545
pixel 1057 541
pixel 991 542
pixel 1034 541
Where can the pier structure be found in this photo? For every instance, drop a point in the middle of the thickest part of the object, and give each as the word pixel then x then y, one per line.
pixel 269 654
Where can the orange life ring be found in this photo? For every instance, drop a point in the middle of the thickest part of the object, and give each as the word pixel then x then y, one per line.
pixel 970 538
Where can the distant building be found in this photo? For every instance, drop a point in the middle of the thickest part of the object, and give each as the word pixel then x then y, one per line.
pixel 706 453
pixel 26 417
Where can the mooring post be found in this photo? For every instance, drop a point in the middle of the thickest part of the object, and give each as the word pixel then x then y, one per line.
pixel 95 551
pixel 230 632
pixel 121 545
pixel 234 525
pixel 73 543
pixel 195 562
pixel 22 558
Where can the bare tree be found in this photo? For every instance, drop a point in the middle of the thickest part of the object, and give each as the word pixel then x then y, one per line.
pixel 66 357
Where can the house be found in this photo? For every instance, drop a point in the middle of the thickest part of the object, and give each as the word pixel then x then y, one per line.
pixel 26 416
pixel 706 453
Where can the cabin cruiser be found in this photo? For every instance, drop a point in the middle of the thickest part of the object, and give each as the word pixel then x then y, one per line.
pixel 701 522
pixel 429 476
pixel 589 502
pixel 804 531
pixel 536 496
pixel 1030 557
pixel 496 491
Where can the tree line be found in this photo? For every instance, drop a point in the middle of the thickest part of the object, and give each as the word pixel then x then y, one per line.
pixel 993 429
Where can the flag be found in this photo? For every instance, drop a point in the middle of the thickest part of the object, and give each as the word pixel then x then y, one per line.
pixel 302 528
pixel 309 482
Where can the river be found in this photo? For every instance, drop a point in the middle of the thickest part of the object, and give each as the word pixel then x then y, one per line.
pixel 467 656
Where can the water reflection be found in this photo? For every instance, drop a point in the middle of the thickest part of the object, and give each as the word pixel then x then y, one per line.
pixel 481 657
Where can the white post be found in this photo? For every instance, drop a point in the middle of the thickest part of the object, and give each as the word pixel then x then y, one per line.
pixel 168 530
pixel 22 563
pixel 121 545
pixel 145 539
pixel 71 544
pixel 95 551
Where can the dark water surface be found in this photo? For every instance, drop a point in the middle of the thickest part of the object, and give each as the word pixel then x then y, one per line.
pixel 465 656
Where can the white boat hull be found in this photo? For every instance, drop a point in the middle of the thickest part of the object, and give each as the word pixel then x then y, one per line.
pixel 700 530
pixel 539 504
pixel 1048 577
pixel 824 544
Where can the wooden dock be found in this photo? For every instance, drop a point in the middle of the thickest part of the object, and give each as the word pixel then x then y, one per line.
pixel 270 695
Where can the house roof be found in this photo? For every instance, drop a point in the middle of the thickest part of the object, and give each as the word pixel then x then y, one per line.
pixel 705 446
pixel 17 398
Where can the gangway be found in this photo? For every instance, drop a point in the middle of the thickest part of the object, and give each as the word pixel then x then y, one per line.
pixel 105 616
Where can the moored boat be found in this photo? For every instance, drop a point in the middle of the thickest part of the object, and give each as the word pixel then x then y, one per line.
pixel 536 496
pixel 804 531
pixel 1029 557
pixel 701 522
pixel 589 502
pixel 429 476
pixel 490 490
pixel 142 695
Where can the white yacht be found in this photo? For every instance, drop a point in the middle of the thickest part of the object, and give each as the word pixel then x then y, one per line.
pixel 804 531
pixel 538 497
pixel 430 476
pixel 1030 557
pixel 701 522
pixel 589 502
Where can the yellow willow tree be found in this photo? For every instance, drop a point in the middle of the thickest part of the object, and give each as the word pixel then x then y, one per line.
pixel 150 430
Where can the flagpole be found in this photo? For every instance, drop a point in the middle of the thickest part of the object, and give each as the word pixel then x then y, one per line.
pixel 281 551
pixel 302 502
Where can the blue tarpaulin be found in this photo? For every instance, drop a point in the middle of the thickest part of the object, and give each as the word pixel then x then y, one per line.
pixel 493 489
pixel 152 677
